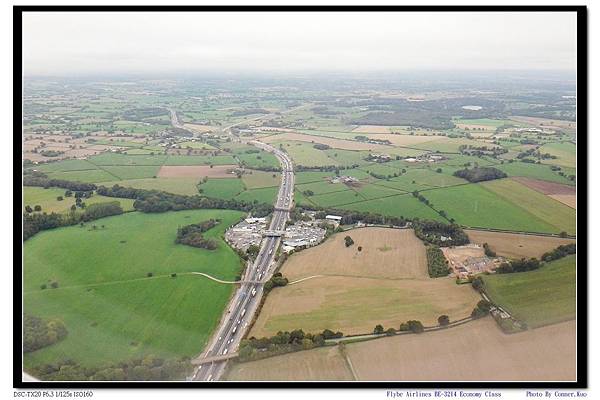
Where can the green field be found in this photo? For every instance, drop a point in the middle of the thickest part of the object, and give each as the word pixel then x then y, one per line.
pixel 46 198
pixel 186 186
pixel 124 159
pixel 536 171
pixel 133 172
pixel 110 308
pixel 66 165
pixel 91 176
pixel 565 151
pixel 222 188
pixel 475 206
pixel 259 160
pixel 305 154
pixel 541 297
pixel 560 216
pixel 396 206
pixel 262 195
pixel 259 179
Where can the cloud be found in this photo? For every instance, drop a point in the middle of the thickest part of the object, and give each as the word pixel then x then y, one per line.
pixel 66 43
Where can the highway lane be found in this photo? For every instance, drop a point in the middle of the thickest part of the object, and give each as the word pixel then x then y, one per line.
pixel 245 302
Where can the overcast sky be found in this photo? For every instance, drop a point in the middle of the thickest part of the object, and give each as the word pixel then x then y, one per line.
pixel 89 43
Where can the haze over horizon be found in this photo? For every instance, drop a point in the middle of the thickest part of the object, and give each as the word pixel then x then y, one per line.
pixel 187 43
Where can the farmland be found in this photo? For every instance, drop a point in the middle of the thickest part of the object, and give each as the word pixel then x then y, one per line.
pixel 352 291
pixel 540 297
pixel 472 352
pixel 113 303
pixel 47 199
pixel 516 245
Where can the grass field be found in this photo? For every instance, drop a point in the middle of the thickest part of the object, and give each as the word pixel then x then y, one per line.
pixel 105 299
pixel 305 154
pixel 536 171
pixel 516 245
pixel 352 291
pixel 222 188
pixel 262 195
pixel 186 186
pixel 475 206
pixel 397 206
pixel 46 198
pixel 259 179
pixel 540 297
pixel 565 152
pixel 553 212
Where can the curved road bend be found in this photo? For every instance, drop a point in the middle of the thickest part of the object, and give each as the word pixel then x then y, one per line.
pixel 245 301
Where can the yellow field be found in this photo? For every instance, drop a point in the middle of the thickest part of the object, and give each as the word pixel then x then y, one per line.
pixel 477 350
pixel 406 140
pixel 516 245
pixel 385 283
pixel 386 253
pixel 319 364
pixel 355 305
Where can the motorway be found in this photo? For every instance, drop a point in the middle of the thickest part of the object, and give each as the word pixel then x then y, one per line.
pixel 245 302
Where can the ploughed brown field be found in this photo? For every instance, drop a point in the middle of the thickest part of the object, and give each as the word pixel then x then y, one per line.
pixel 386 253
pixel 196 171
pixel 514 245
pixel 564 193
pixel 477 350
pixel 335 143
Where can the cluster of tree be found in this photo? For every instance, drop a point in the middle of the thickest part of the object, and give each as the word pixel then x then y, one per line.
pixel 140 369
pixel 559 252
pixel 139 114
pixel 33 223
pixel 284 342
pixel 362 138
pixel 43 181
pixel 154 201
pixel 277 280
pixel 191 235
pixel 321 146
pixel 379 329
pixel 481 309
pixel 325 168
pixel 51 153
pixel 479 151
pixel 252 250
pixel 479 174
pixel 478 284
pixel 488 251
pixel 535 153
pixel 38 333
pixel 416 118
pixel 308 193
pixel 412 326
pixel 350 217
pixel 348 241
pixel 522 265
pixel 437 265
pixel 323 110
pixel 432 232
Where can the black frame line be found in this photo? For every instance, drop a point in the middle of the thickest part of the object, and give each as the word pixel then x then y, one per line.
pixel 582 223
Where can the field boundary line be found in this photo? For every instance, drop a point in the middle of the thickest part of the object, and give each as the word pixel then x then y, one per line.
pixel 305 279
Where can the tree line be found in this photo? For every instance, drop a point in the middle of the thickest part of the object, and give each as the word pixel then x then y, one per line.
pixel 34 223
pixel 437 265
pixel 155 201
pixel 149 368
pixel 283 342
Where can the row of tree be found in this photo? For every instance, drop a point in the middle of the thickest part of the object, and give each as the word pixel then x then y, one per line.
pixel 154 201
pixel 34 223
pixel 45 182
pixel 149 368
pixel 283 342
pixel 559 252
